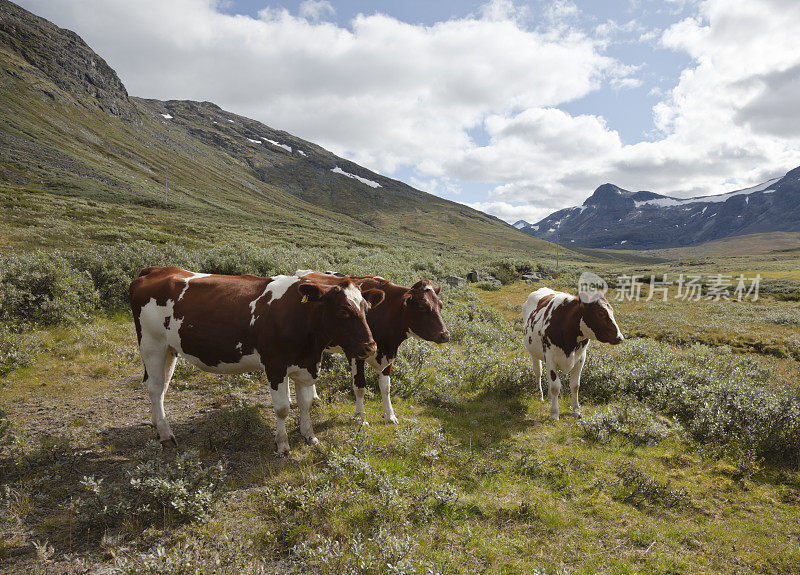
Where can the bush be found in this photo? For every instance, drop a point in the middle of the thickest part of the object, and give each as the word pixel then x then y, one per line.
pixel 633 421
pixel 719 397
pixel 157 491
pixel 638 488
pixel 43 288
pixel 488 286
pixel 15 351
pixel 113 268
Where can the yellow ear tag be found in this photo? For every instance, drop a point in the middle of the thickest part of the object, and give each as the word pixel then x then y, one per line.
pixel 305 299
pixel 369 305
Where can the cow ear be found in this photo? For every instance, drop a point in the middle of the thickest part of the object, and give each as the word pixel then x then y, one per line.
pixel 373 296
pixel 437 289
pixel 310 292
pixel 407 297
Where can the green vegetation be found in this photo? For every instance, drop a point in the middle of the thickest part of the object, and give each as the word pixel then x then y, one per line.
pixel 682 450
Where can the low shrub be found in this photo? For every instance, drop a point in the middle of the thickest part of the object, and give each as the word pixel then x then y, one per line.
pixel 16 351
pixel 638 488
pixel 722 398
pixel 488 286
pixel 632 421
pixel 156 492
pixel 43 288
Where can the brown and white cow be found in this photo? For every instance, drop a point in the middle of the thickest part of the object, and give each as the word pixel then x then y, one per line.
pixel 236 324
pixel 557 328
pixel 405 312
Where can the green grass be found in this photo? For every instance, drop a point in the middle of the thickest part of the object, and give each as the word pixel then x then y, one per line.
pixel 475 478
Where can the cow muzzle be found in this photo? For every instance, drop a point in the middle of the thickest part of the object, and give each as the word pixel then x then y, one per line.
pixel 618 340
pixel 367 350
pixel 444 337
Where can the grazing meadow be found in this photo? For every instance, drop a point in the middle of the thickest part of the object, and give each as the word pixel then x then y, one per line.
pixel 689 439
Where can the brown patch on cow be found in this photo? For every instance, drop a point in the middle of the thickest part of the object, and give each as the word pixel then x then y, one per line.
pixel 387 370
pixel 358 377
pixel 552 375
pixel 216 317
pixel 563 330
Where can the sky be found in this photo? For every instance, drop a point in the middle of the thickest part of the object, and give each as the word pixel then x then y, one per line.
pixel 514 108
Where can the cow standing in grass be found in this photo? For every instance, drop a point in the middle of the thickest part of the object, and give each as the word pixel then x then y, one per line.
pixel 236 324
pixel 405 312
pixel 557 328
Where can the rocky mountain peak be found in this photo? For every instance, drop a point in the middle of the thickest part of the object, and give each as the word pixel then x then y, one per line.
pixel 65 59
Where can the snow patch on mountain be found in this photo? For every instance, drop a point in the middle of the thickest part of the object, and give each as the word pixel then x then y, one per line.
pixel 370 183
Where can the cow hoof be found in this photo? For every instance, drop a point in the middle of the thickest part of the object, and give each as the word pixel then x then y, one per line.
pixel 312 440
pixel 282 450
pixel 361 418
pixel 169 443
pixel 553 417
pixel 391 420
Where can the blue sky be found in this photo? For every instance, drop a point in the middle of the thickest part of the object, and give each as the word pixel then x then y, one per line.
pixel 516 108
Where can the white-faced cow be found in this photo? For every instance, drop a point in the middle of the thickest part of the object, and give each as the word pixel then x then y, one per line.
pixel 236 324
pixel 557 328
pixel 405 312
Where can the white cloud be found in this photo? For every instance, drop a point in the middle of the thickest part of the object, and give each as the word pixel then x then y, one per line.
pixel 511 212
pixel 315 9
pixel 388 94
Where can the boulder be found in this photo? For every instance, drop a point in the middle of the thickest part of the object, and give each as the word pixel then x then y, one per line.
pixel 472 277
pixel 454 281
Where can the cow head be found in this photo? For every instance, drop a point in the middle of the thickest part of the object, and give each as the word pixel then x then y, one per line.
pixel 597 319
pixel 422 311
pixel 341 315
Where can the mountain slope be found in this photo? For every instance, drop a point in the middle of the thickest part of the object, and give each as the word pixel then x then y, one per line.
pixel 81 162
pixel 616 218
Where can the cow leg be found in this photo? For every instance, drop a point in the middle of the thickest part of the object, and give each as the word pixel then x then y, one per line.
pixel 159 362
pixel 537 376
pixel 575 385
pixel 280 405
pixel 554 389
pixel 317 399
pixel 305 397
pixel 359 388
pixel 385 383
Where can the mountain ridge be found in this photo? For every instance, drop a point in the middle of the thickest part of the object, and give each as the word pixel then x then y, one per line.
pixel 68 127
pixel 616 218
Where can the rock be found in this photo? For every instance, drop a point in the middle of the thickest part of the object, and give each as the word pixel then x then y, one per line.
pixel 454 281
pixel 472 277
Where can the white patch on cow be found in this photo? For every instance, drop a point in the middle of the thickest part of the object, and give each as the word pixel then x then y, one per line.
pixel 353 295
pixel 239 346
pixel 278 288
pixel 586 330
pixel 301 273
pixel 186 287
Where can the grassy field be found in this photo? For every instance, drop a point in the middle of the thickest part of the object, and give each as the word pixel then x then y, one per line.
pixel 688 441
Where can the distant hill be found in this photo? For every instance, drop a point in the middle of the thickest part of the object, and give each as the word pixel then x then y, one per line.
pixel 69 129
pixel 614 218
